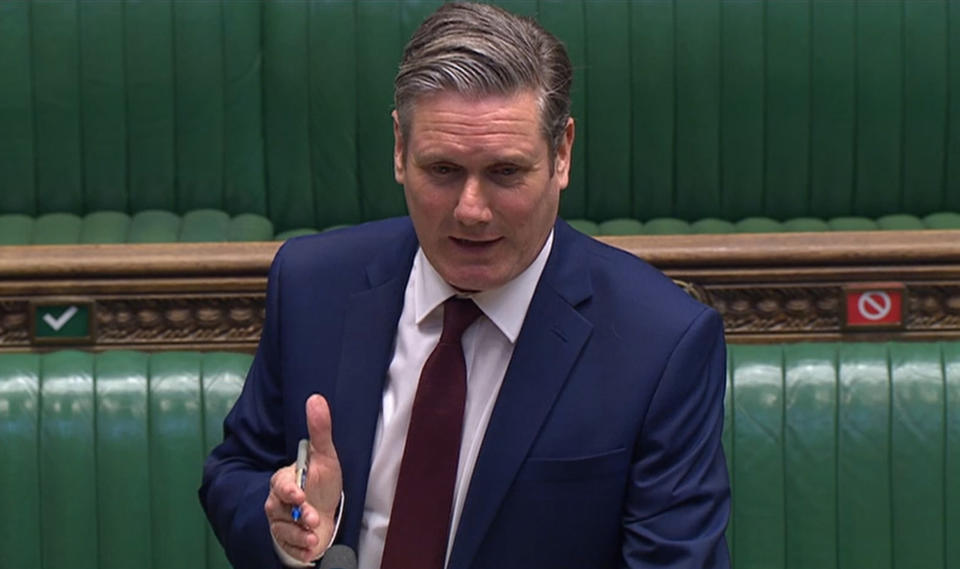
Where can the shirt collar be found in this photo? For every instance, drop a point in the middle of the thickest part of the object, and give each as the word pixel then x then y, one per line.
pixel 505 306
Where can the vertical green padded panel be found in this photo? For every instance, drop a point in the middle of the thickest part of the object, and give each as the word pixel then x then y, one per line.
pixel 810 455
pixel 608 109
pixel 57 106
pixel 899 222
pixel 879 107
pixel 286 113
pixel 697 107
pixel 333 113
pixel 378 54
pixel 620 226
pixel 787 109
pixel 952 190
pixel 942 220
pixel 199 93
pixel 154 226
pixel 414 12
pixel 204 225
pixel 805 224
pixel 925 105
pixel 57 229
pixel 712 225
pixel 729 431
pixel 564 19
pixel 741 111
pixel 250 227
pixel 123 460
pixel 16 229
pixel 148 48
pixel 917 445
pixel 863 440
pixel 68 467
pixel 758 225
pixel 176 460
pixel 20 536
pixel 526 8
pixel 222 380
pixel 284 235
pixel 17 139
pixel 666 226
pixel 758 444
pixel 104 227
pixel 832 112
pixel 653 106
pixel 584 226
pixel 103 106
pixel 852 223
pixel 951 358
pixel 243 177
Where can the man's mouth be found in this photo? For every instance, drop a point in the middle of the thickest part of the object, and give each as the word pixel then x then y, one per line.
pixel 475 244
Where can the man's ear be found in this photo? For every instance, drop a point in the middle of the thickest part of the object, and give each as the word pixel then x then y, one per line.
pixel 565 155
pixel 398 149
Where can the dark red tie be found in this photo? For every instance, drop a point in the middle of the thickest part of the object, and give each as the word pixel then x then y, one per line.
pixel 420 519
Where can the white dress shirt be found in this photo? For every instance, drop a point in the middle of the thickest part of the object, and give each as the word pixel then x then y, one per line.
pixel 487 346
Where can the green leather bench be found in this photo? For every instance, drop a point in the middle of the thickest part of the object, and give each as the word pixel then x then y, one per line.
pixel 205 225
pixel 841 456
pixel 738 115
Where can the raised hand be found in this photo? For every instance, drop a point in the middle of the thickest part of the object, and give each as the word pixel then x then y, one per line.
pixel 308 538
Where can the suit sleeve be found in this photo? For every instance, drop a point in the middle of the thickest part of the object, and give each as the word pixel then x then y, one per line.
pixel 678 499
pixel 236 475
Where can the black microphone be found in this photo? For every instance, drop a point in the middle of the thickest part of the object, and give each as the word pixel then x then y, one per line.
pixel 339 557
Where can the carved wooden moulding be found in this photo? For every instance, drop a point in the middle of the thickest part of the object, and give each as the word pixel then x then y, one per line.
pixel 230 321
pixel 180 319
pixel 757 313
pixel 768 288
pixel 14 323
pixel 765 309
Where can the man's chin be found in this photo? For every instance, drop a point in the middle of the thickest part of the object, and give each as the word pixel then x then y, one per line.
pixel 470 281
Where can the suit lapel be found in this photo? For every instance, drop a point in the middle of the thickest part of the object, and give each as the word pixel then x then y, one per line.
pixel 369 330
pixel 550 341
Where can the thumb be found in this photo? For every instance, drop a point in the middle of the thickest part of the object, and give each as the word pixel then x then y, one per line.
pixel 319 426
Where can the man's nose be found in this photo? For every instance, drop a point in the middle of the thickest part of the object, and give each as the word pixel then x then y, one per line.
pixel 472 207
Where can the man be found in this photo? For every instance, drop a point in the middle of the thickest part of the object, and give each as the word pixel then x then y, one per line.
pixel 585 389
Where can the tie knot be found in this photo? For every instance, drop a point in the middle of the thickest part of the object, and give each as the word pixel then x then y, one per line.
pixel 458 314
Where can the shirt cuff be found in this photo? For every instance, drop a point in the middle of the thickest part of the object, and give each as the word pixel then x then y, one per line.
pixel 291 561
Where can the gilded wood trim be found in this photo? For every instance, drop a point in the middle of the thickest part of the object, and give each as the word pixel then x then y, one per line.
pixel 768 287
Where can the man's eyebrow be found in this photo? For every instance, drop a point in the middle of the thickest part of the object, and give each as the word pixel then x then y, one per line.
pixel 431 157
pixel 516 159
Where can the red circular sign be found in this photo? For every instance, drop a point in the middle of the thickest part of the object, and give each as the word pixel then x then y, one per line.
pixel 874 305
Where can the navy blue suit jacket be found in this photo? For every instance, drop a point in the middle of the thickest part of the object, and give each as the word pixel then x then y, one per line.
pixel 603 449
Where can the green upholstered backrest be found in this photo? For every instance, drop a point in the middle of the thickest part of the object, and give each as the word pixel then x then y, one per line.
pixel 687 110
pixel 101 457
pixel 844 455
pixel 159 226
pixel 151 226
pixel 130 106
pixel 841 456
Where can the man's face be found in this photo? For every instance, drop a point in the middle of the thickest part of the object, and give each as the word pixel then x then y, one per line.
pixel 476 176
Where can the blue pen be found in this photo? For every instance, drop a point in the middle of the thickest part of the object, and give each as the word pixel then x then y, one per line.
pixel 301 473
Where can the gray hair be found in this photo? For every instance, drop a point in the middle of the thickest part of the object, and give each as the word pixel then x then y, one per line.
pixel 479 49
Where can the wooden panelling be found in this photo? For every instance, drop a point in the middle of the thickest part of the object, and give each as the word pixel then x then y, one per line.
pixel 768 287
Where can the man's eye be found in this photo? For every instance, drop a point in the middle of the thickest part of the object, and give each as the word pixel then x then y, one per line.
pixel 506 171
pixel 442 169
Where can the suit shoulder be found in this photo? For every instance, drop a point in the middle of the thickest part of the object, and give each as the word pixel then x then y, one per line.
pixel 638 289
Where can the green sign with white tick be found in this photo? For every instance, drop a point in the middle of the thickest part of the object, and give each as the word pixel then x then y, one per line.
pixel 62 321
